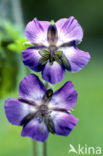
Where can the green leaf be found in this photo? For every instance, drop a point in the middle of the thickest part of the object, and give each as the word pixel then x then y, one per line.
pixel 18 45
pixel 28 44
pixel 52 22
pixel 8 72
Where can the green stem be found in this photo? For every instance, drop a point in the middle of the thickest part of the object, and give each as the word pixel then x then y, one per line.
pixel 36 146
pixel 35 152
pixel 45 148
pixel 48 85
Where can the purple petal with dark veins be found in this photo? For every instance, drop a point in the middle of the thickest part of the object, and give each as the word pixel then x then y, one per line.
pixel 31 58
pixel 64 98
pixel 64 122
pixel 53 73
pixel 36 32
pixel 77 58
pixel 16 110
pixel 36 130
pixel 68 30
pixel 31 88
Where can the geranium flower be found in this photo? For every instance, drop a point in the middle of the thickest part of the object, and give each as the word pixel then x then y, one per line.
pixel 41 111
pixel 54 48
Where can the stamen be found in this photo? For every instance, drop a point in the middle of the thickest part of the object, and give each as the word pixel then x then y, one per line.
pixel 44 60
pixel 59 53
pixel 66 62
pixel 50 124
pixel 57 59
pixel 51 60
pixel 41 53
pixel 45 51
pixel 49 92
pixel 47 97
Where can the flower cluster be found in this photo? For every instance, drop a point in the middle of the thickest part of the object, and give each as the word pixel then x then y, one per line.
pixel 53 50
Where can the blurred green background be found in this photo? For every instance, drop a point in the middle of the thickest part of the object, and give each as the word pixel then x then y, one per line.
pixel 14 15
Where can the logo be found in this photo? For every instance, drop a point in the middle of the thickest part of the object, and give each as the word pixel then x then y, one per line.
pixel 84 149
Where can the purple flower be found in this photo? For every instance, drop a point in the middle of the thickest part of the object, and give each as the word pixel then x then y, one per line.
pixel 41 111
pixel 55 48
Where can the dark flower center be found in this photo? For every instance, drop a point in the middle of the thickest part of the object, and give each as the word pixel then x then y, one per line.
pixel 42 114
pixel 53 55
pixel 43 109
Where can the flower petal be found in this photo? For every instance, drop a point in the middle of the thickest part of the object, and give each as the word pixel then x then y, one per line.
pixel 64 122
pixel 16 110
pixel 64 98
pixel 35 130
pixel 53 73
pixel 68 30
pixel 31 88
pixel 77 58
pixel 31 58
pixel 36 32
